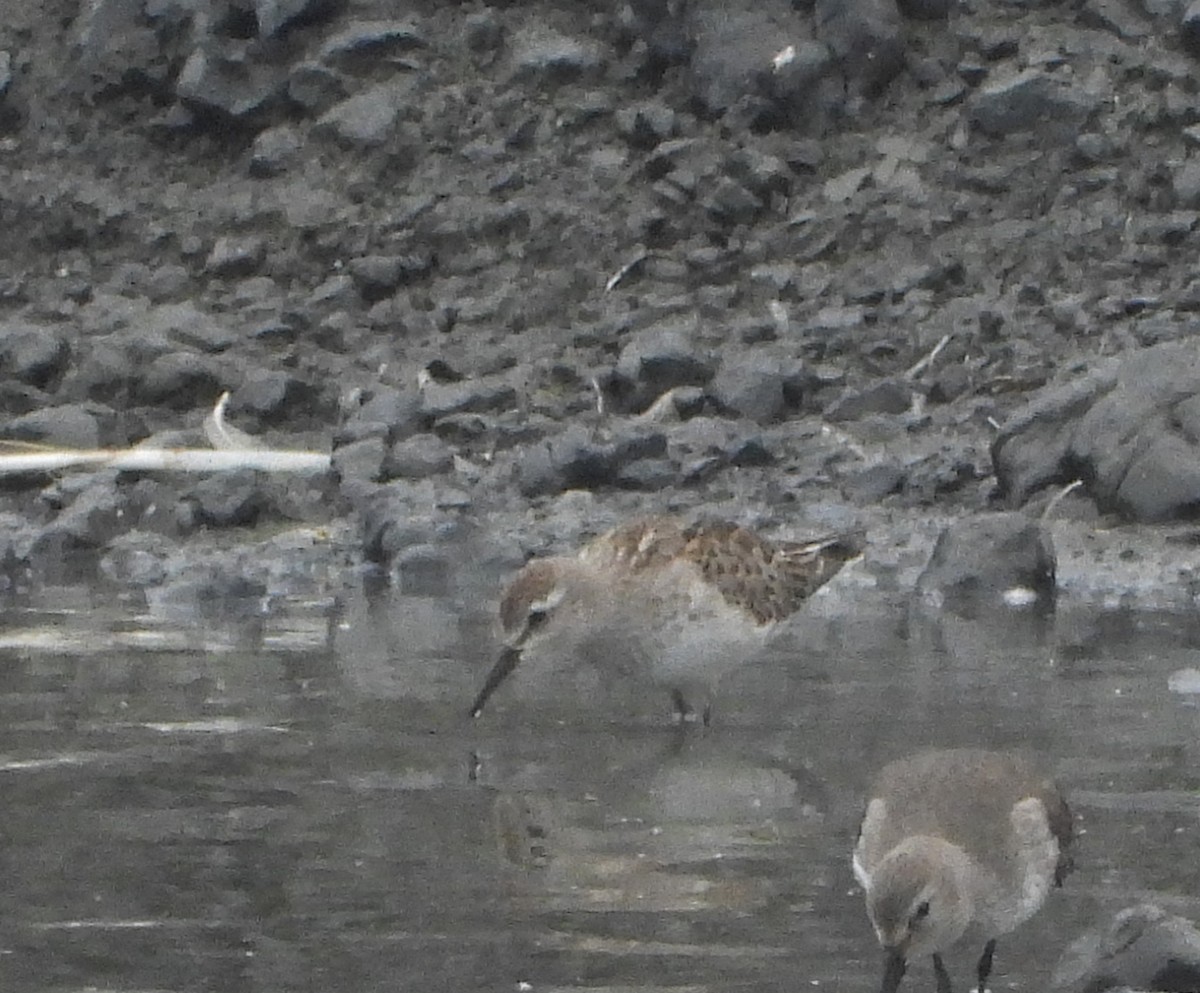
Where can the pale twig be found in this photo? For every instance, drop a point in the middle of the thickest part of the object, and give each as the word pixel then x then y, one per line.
pixel 923 364
pixel 601 402
pixel 844 439
pixel 615 279
pixel 173 459
pixel 1059 497
pixel 779 314
pixel 225 437
pixel 233 449
pixel 663 410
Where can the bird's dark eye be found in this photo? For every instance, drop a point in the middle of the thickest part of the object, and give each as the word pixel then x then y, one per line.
pixel 537 618
pixel 921 912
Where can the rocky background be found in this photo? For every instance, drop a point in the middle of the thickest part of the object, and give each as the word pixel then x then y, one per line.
pixel 530 267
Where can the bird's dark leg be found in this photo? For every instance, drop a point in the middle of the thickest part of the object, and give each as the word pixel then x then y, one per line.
pixel 706 714
pixel 894 968
pixel 943 977
pixel 682 710
pixel 985 964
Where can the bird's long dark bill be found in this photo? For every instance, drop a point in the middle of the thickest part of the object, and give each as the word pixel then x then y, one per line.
pixel 893 971
pixel 504 665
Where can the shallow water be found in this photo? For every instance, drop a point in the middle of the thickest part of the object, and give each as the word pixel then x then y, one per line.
pixel 295 800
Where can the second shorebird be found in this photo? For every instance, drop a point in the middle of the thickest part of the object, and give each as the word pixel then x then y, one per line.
pixel 678 605
pixel 958 839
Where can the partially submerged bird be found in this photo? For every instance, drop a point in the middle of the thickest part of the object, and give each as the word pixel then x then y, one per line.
pixel 958 839
pixel 679 605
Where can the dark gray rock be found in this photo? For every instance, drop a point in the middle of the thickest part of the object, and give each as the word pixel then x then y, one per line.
pixel 360 462
pixel 167 282
pixel 215 593
pixel 647 124
pixel 750 452
pixel 1141 948
pixel 314 87
pixel 371 41
pixel 796 78
pixel 656 359
pixel 33 355
pixel 539 50
pixel 732 203
pixel 659 30
pixel 634 441
pixel 275 151
pixel 705 445
pixel 887 396
pixel 579 459
pixel 735 45
pixel 572 460
pixel 1129 427
pixel 337 289
pixel 1032 99
pixel 237 87
pixel 1190 27
pixel 751 385
pixel 137 558
pixel 925 10
pixel 1185 182
pixel 949 384
pixel 1093 148
pixel 367 119
pixel 108 373
pixel 377 276
pixel 396 517
pixel 383 411
pixel 763 174
pixel 1167 9
pixel 95 513
pixel 866 38
pixel 468 396
pixel 233 256
pixel 424 570
pixel 182 381
pixel 274 16
pixel 274 397
pixel 872 484
pixel 1126 21
pixel 418 457
pixel 68 426
pixel 222 500
pixel 17 536
pixel 483 32
pixel 648 475
pixel 114 38
pixel 986 561
pixel 186 324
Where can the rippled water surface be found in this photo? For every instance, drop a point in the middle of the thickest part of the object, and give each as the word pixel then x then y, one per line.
pixel 297 801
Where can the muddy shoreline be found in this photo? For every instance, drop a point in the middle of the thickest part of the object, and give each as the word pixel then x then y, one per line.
pixel 532 268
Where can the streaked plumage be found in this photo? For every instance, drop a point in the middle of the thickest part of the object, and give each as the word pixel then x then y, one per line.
pixel 678 604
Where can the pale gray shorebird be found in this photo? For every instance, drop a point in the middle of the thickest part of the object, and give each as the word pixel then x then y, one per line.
pixel 678 605
pixel 956 840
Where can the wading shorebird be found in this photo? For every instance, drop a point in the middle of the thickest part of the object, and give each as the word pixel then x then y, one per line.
pixel 957 839
pixel 678 605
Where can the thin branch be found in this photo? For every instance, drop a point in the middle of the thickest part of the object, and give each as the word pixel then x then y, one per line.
pixel 1059 497
pixel 923 364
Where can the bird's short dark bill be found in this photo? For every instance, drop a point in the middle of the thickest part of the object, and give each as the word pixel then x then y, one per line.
pixel 504 665
pixel 893 971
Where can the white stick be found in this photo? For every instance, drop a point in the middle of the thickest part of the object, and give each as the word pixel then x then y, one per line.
pixel 171 459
